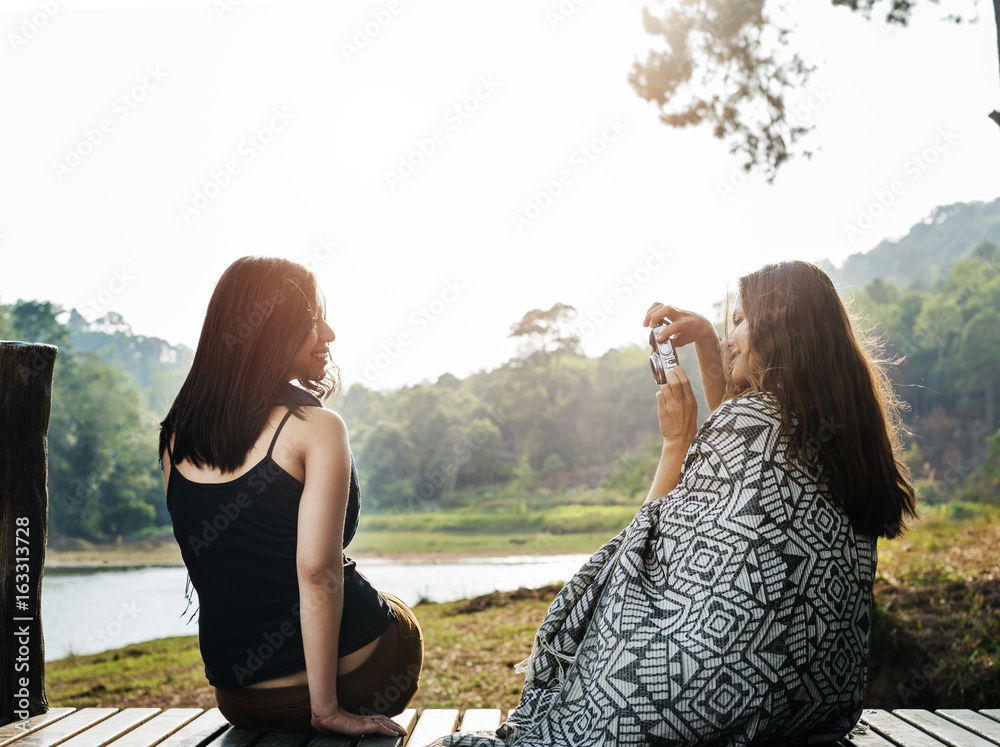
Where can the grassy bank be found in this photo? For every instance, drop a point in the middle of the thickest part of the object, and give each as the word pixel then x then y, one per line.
pixel 935 637
pixel 936 633
pixel 559 529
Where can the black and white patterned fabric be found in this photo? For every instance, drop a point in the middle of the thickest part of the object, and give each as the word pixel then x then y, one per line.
pixel 734 611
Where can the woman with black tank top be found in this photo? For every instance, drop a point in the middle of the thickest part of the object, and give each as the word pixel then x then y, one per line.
pixel 264 497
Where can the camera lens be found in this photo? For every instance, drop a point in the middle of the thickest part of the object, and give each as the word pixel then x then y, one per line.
pixel 657 366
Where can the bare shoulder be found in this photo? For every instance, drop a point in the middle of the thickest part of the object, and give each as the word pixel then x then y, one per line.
pixel 318 423
pixel 322 416
pixel 318 434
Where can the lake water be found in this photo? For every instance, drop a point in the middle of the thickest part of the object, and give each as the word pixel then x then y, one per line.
pixel 84 612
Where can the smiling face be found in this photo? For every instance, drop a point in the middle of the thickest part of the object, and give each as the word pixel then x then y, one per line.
pixel 738 346
pixel 309 364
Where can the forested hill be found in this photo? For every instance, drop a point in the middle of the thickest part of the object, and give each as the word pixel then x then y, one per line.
pixel 156 367
pixel 922 257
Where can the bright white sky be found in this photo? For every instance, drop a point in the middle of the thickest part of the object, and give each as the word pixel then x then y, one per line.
pixel 437 257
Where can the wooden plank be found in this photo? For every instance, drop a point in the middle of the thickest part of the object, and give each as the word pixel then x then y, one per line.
pixel 157 729
pixel 233 737
pixel 896 730
pixel 480 719
pixel 334 740
pixel 18 729
pixel 199 732
pixel 948 732
pixel 433 723
pixel 285 739
pixel 974 722
pixel 406 719
pixel 66 728
pixel 862 736
pixel 993 713
pixel 112 728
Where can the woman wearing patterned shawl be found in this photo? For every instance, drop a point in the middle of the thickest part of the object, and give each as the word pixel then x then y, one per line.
pixel 736 607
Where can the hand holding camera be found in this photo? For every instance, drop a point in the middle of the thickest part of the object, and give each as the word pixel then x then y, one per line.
pixel 664 356
pixel 682 327
pixel 677 408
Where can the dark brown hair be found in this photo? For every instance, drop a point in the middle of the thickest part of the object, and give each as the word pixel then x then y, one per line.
pixel 838 409
pixel 260 315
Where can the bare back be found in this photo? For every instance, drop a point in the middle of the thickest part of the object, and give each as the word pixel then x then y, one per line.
pixel 288 452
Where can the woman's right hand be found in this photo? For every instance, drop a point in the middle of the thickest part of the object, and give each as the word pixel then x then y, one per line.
pixel 685 327
pixel 677 409
pixel 343 722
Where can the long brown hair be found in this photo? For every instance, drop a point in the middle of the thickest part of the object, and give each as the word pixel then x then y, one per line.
pixel 260 315
pixel 838 409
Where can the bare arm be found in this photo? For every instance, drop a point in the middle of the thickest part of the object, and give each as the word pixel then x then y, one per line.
pixel 687 327
pixel 320 568
pixel 677 413
pixel 668 471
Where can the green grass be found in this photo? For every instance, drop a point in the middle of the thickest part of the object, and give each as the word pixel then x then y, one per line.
pixel 557 520
pixel 940 548
pixel 559 529
pixel 509 497
pixel 439 543
pixel 126 676
pixel 936 623
pixel 470 653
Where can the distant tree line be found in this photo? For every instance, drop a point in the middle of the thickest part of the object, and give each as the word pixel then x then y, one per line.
pixel 549 419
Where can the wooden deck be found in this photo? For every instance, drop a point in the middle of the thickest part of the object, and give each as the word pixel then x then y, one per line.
pixel 192 727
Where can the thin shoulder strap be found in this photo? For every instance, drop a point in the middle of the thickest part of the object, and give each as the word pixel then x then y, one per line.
pixel 275 437
pixel 170 455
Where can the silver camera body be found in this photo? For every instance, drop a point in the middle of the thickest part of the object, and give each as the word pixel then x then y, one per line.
pixel 664 355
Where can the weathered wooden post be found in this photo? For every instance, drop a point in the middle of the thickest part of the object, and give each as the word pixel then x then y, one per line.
pixel 25 401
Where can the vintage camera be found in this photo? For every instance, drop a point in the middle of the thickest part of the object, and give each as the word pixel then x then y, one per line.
pixel 664 356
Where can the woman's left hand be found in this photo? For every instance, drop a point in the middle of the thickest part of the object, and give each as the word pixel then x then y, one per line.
pixel 343 722
pixel 677 411
pixel 677 408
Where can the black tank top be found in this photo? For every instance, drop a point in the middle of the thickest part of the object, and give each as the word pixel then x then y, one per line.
pixel 238 541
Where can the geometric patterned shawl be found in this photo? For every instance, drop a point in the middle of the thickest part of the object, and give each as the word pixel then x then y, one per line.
pixel 734 610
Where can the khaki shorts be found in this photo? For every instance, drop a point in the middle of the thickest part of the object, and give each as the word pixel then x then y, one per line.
pixel 385 683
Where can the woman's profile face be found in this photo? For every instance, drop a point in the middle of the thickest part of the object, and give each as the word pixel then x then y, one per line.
pixel 738 346
pixel 309 364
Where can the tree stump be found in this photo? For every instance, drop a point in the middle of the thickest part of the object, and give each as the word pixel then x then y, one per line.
pixel 25 403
